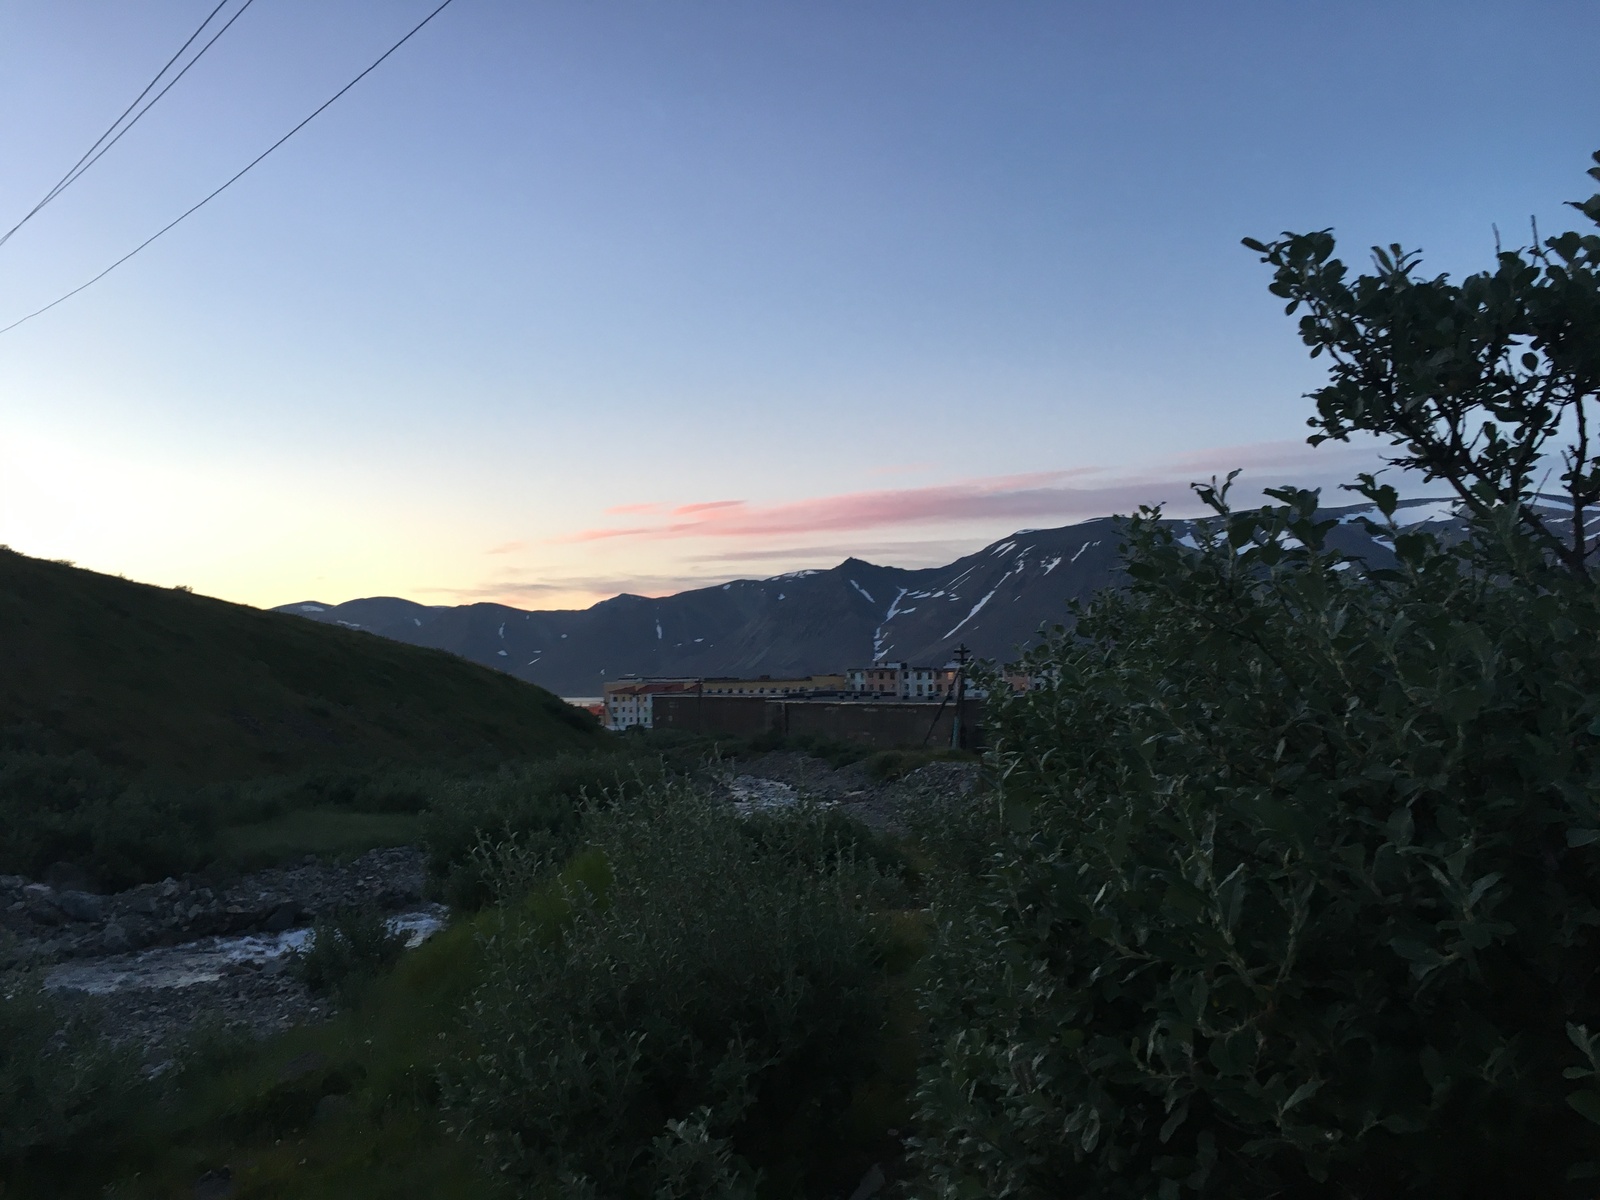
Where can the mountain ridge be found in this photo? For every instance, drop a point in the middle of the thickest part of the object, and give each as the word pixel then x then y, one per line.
pixel 800 623
pixel 191 687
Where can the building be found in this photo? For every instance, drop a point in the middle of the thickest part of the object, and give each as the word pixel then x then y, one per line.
pixel 766 685
pixel 900 681
pixel 628 701
pixel 886 724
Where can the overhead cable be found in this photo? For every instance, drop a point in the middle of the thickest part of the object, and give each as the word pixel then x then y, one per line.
pixel 100 144
pixel 189 212
pixel 76 172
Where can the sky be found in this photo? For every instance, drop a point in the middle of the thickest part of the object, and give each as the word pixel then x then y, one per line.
pixel 580 297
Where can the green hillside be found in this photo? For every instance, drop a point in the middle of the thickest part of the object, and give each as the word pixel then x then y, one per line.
pixel 152 680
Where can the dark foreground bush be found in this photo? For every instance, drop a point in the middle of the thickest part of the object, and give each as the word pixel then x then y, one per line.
pixel 704 1014
pixel 62 1089
pixel 1296 886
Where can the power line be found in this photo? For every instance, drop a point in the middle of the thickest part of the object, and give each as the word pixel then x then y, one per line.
pixel 86 162
pixel 77 171
pixel 415 29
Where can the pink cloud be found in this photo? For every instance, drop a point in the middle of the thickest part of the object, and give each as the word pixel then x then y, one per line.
pixel 507 548
pixel 628 510
pixel 686 510
pixel 1061 496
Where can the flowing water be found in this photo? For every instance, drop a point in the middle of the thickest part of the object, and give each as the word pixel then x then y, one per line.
pixel 210 958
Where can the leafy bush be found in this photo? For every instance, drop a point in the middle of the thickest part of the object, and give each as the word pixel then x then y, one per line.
pixel 62 1089
pixel 346 953
pixel 1293 887
pixel 56 806
pixel 699 1015
pixel 536 805
pixel 825 839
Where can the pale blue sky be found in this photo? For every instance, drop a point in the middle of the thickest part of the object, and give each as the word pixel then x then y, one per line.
pixel 557 258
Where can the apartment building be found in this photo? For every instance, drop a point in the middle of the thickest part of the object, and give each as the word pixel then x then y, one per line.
pixel 628 701
pixel 901 681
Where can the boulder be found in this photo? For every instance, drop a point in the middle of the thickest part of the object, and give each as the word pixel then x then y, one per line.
pixel 282 918
pixel 81 906
pixel 39 902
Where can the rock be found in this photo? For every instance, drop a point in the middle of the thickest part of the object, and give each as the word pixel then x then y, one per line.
pixel 214 1185
pixel 81 906
pixel 39 902
pixel 139 932
pixel 114 939
pixel 143 903
pixel 281 919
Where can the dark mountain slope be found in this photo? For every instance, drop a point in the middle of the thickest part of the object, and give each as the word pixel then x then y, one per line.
pixel 811 621
pixel 196 688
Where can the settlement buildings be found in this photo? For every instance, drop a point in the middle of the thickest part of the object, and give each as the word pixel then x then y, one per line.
pixel 899 681
pixel 629 701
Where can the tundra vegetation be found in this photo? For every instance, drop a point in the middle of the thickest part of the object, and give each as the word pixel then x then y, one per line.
pixel 1284 881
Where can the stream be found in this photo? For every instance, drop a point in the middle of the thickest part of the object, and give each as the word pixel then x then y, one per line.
pixel 211 958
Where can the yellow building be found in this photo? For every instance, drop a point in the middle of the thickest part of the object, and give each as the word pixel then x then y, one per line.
pixel 766 685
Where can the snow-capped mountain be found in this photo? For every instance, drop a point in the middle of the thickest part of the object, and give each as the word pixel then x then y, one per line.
pixel 807 622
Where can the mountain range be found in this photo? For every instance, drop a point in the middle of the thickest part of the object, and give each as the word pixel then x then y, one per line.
pixel 806 622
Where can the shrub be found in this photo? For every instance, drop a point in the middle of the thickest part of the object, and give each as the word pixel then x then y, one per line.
pixel 1292 883
pixel 347 952
pixel 824 839
pixel 700 1015
pixel 62 1088
pixel 56 806
pixel 536 805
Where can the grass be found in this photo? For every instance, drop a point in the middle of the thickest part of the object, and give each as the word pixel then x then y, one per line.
pixel 263 1110
pixel 324 832
pixel 154 681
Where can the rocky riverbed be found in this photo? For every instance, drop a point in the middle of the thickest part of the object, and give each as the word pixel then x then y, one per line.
pixel 157 960
pixel 51 923
pixel 786 777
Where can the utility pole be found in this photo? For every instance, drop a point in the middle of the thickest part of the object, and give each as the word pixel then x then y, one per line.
pixel 962 655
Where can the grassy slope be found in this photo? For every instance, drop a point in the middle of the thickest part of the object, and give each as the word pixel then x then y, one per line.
pixel 199 689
